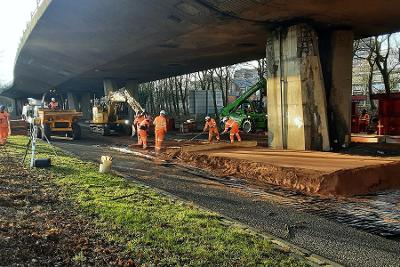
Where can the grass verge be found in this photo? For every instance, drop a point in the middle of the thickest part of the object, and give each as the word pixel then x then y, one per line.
pixel 155 229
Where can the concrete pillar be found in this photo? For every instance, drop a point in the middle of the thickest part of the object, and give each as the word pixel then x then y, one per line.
pixel 297 108
pixel 10 104
pixel 109 86
pixel 72 101
pixel 85 106
pixel 133 87
pixel 19 104
pixel 341 87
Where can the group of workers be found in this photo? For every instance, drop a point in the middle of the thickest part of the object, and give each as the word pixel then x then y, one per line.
pixel 231 126
pixel 142 124
pixel 143 121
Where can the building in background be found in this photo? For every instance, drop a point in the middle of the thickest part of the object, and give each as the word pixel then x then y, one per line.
pixel 243 79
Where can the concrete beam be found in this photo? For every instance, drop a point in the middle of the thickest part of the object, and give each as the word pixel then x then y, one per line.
pixel 341 87
pixel 10 105
pixel 72 101
pixel 297 108
pixel 85 106
pixel 109 86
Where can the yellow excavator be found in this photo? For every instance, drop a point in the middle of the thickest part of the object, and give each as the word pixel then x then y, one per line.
pixel 111 113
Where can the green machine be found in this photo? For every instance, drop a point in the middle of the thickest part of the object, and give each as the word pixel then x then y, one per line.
pixel 250 115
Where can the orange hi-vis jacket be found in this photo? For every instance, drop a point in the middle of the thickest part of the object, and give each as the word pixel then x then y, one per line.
pixel 144 125
pixel 138 120
pixel 53 105
pixel 210 124
pixel 233 125
pixel 4 120
pixel 160 123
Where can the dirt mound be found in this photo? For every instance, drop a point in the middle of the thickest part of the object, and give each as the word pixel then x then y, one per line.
pixel 345 182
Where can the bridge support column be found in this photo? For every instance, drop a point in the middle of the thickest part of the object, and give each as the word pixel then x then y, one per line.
pixel 339 97
pixel 72 101
pixel 297 107
pixel 85 106
pixel 109 86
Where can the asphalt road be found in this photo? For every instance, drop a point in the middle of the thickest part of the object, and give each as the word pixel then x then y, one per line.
pixel 335 241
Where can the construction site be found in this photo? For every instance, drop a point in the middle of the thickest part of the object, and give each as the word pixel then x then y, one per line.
pixel 191 138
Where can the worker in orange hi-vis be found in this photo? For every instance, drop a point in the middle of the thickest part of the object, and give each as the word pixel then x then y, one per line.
pixel 143 128
pixel 211 125
pixel 233 127
pixel 53 104
pixel 137 121
pixel 5 129
pixel 364 121
pixel 160 123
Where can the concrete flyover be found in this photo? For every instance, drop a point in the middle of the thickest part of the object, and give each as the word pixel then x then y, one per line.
pixel 75 45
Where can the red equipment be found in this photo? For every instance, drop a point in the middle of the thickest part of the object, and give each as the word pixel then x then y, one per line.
pixel 388 113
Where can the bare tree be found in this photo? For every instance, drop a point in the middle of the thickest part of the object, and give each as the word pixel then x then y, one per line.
pixel 364 49
pixel 211 74
pixel 384 59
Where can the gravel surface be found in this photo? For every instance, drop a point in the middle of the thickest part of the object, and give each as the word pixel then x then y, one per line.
pixel 327 238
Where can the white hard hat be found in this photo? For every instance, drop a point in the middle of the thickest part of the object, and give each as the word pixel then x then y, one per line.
pixel 162 112
pixel 207 118
pixel 225 119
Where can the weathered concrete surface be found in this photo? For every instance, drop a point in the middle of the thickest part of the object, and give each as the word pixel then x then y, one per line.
pixel 76 44
pixel 72 101
pixel 341 87
pixel 297 111
pixel 85 107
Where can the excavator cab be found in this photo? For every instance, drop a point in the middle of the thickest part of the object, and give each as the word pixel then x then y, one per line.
pixel 110 117
pixel 111 113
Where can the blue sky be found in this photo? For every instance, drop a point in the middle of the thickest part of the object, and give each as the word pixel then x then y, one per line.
pixel 14 14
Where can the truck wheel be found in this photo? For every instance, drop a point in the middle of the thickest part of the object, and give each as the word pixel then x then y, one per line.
pixel 127 130
pixel 46 132
pixel 76 131
pixel 247 126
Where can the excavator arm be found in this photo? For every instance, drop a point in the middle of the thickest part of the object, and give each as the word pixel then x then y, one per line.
pixel 234 105
pixel 123 95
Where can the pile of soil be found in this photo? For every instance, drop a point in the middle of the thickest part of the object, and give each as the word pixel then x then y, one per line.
pixel 299 179
pixel 346 182
pixel 38 227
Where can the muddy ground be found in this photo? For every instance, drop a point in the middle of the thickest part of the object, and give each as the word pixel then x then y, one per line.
pixel 39 227
pixel 358 170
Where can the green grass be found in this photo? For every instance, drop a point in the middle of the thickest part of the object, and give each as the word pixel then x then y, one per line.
pixel 156 229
